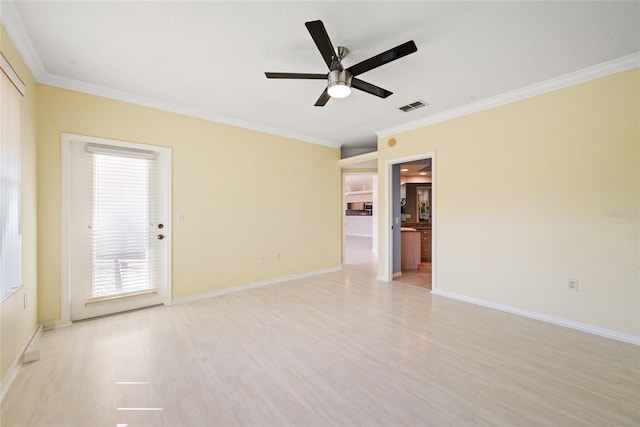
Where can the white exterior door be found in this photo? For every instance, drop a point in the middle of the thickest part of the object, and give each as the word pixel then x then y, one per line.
pixel 119 231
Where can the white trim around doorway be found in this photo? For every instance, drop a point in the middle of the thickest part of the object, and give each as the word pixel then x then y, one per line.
pixel 65 292
pixel 387 214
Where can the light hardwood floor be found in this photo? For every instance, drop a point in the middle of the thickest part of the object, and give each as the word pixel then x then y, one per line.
pixel 420 277
pixel 336 349
pixel 358 254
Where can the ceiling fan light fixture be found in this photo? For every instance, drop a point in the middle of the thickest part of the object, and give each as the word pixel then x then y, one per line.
pixel 339 84
pixel 339 80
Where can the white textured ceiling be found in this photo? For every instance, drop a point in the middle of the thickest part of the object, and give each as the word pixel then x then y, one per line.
pixel 208 58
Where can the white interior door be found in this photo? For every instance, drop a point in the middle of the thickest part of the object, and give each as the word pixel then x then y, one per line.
pixel 119 227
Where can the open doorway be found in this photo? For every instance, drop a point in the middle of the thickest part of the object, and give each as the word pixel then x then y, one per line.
pixel 411 210
pixel 360 218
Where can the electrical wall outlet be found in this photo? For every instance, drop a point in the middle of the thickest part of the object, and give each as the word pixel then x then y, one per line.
pixel 572 285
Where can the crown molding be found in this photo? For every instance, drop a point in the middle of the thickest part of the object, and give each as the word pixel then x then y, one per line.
pixel 570 79
pixel 10 19
pixel 12 23
pixel 104 92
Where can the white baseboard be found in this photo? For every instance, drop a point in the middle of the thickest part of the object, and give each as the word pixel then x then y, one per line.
pixel 357 235
pixel 382 278
pixel 596 330
pixel 56 324
pixel 29 348
pixel 32 352
pixel 245 286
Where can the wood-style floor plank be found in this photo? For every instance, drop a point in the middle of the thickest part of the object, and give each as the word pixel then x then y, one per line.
pixel 336 349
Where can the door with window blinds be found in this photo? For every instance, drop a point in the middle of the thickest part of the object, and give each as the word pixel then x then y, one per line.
pixel 118 230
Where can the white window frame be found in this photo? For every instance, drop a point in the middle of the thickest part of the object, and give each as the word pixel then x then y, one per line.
pixel 10 288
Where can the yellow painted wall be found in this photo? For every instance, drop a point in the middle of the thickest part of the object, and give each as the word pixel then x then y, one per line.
pixel 18 323
pixel 534 192
pixel 243 193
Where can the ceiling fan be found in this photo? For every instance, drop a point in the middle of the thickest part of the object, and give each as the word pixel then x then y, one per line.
pixel 341 80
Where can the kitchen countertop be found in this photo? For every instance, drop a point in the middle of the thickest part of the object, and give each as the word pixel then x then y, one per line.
pixel 417 227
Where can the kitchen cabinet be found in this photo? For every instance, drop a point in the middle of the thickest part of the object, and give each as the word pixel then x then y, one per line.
pixel 425 245
pixel 410 249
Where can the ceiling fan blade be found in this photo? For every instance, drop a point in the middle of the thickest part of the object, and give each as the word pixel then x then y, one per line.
pixel 383 58
pixel 369 88
pixel 321 38
pixel 324 98
pixel 296 76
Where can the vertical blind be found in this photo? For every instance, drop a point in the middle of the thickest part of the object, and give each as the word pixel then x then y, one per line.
pixel 121 221
pixel 10 190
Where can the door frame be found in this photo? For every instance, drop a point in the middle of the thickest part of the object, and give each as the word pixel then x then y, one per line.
pixel 66 140
pixel 387 218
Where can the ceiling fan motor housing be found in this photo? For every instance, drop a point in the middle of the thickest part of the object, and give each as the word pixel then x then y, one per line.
pixel 339 83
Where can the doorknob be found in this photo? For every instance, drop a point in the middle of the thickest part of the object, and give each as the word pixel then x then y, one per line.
pixel 160 236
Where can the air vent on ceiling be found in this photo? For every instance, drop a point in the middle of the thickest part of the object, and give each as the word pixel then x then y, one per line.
pixel 413 106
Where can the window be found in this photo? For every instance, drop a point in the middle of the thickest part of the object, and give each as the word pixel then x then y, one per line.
pixel 11 89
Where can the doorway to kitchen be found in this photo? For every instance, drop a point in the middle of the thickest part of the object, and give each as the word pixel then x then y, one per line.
pixel 411 211
pixel 360 218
